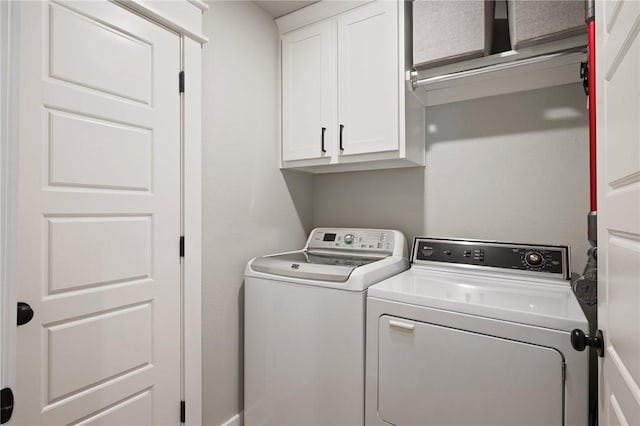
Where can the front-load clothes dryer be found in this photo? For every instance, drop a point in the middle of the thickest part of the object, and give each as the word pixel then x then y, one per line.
pixel 476 333
pixel 305 326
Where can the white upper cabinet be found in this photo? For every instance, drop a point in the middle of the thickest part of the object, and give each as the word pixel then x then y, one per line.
pixel 344 89
pixel 308 92
pixel 368 82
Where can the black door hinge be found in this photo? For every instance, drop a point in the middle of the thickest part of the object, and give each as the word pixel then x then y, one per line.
pixel 181 82
pixel 6 406
pixel 182 412
pixel 182 246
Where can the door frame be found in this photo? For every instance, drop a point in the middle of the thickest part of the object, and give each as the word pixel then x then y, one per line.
pixel 191 40
pixel 8 188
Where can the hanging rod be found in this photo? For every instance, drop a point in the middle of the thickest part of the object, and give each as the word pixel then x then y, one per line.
pixel 513 63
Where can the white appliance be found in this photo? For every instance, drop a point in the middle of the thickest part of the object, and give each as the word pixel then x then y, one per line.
pixel 476 333
pixel 305 324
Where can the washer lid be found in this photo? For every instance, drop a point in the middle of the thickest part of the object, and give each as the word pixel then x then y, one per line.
pixel 323 267
pixel 533 302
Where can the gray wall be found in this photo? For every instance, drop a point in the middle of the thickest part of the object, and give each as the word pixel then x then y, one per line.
pixel 249 207
pixel 511 167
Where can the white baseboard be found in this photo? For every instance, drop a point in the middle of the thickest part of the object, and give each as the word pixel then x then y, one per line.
pixel 234 421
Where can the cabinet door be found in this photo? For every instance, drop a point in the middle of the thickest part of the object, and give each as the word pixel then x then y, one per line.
pixel 368 78
pixel 308 92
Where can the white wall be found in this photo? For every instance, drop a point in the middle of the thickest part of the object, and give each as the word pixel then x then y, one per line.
pixel 249 207
pixel 512 167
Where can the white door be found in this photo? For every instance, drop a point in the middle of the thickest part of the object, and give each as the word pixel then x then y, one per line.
pixel 618 95
pixel 308 92
pixel 99 217
pixel 368 80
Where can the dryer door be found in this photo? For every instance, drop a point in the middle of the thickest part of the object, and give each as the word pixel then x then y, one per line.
pixel 435 375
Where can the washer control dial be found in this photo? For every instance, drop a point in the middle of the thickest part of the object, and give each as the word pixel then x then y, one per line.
pixel 534 258
pixel 349 238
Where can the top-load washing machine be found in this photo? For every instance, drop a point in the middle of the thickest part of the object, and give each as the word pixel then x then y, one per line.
pixel 305 324
pixel 476 333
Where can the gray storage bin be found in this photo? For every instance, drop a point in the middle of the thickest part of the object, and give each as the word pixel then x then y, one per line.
pixel 535 22
pixel 450 31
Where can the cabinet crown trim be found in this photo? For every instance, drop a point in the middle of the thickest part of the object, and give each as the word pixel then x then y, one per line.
pixel 314 13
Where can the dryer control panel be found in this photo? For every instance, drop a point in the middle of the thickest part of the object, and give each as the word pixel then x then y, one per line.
pixel 531 259
pixel 353 239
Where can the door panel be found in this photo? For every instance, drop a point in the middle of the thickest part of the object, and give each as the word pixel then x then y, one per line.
pixel 618 124
pixel 620 405
pixel 308 92
pixel 126 71
pixel 134 410
pixel 113 342
pixel 99 217
pixel 98 153
pixel 434 375
pixel 368 80
pixel 80 251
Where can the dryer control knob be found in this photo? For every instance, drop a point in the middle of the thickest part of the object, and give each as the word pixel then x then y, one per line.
pixel 533 258
pixel 349 238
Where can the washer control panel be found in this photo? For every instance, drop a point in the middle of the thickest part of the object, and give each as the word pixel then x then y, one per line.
pixel 380 241
pixel 542 260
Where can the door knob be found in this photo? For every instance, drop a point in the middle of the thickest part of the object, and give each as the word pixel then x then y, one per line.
pixel 25 313
pixel 580 341
pixel 6 408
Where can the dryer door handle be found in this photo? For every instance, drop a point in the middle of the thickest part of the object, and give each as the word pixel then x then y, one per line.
pixel 401 325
